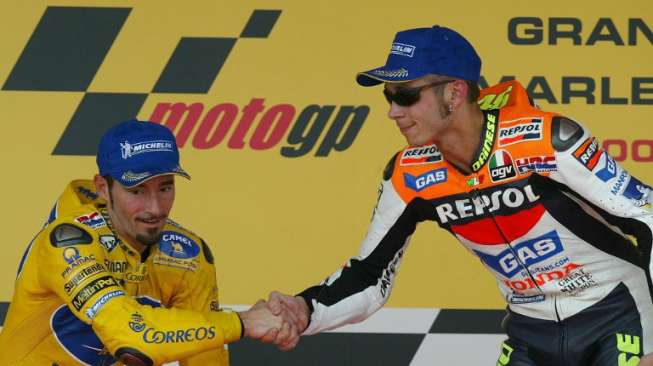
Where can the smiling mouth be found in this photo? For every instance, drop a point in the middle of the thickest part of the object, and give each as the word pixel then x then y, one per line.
pixel 153 221
pixel 406 128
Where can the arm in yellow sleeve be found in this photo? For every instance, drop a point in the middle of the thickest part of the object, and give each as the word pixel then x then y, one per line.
pixel 72 262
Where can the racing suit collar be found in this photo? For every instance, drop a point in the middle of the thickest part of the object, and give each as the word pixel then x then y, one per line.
pixel 488 136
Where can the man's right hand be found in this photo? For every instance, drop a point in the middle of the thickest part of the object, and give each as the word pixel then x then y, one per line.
pixel 294 310
pixel 260 323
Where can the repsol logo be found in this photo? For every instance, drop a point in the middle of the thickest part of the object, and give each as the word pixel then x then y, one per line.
pixel 152 335
pixel 510 261
pixel 485 203
pixel 535 31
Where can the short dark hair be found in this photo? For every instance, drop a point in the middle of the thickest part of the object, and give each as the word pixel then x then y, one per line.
pixel 110 181
pixel 474 91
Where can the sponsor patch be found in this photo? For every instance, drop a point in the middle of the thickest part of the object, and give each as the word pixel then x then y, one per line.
pixel 524 299
pixel 501 166
pixel 178 245
pixel 128 150
pixel 519 131
pixel 609 169
pixel 76 263
pixel 509 262
pixel 403 49
pixel 88 193
pixel 422 181
pixel 619 184
pixel 537 164
pixel 420 155
pixel 81 276
pixel 109 242
pixel 185 264
pixel 71 254
pixel 93 309
pixel 93 220
pixel 576 282
pixel 175 336
pixel 488 142
pixel 91 289
pixel 529 283
pixel 137 324
pixel 137 275
pixel 115 267
pixel 487 202
pixel 637 192
pixel 588 153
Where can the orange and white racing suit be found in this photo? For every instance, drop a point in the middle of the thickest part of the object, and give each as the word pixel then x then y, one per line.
pixel 565 230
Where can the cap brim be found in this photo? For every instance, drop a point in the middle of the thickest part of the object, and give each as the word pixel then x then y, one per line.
pixel 384 75
pixel 128 180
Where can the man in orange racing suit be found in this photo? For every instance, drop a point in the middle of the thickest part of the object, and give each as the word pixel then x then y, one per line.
pixel 564 229
pixel 110 279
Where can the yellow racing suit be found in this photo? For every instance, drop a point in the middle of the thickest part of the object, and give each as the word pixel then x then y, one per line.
pixel 85 296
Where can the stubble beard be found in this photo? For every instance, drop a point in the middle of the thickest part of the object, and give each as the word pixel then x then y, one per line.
pixel 150 238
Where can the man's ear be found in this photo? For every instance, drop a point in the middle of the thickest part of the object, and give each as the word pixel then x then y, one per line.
pixel 458 93
pixel 101 187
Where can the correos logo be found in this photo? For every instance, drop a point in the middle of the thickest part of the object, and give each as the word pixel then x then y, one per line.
pixel 152 335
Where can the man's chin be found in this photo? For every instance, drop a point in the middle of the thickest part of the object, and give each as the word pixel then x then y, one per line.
pixel 151 237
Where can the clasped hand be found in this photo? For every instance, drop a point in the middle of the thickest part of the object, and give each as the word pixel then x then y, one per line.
pixel 281 320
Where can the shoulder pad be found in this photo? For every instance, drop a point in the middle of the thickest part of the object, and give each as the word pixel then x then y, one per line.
pixel 66 234
pixel 390 167
pixel 565 133
pixel 207 252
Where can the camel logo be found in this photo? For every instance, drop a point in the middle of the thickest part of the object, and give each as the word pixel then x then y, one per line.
pixel 177 247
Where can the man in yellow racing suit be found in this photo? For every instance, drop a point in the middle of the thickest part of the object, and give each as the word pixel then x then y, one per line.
pixel 111 280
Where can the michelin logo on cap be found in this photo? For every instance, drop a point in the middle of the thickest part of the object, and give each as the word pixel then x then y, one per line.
pixel 402 49
pixel 129 150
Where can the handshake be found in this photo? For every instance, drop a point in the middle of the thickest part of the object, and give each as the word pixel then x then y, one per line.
pixel 280 320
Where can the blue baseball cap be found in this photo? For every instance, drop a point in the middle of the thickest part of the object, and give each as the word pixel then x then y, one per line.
pixel 423 51
pixel 133 151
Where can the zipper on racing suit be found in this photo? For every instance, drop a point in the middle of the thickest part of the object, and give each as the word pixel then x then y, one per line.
pixel 475 196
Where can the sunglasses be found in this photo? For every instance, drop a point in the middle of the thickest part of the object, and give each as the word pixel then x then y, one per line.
pixel 406 97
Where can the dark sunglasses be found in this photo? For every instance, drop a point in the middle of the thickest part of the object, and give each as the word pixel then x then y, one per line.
pixel 406 97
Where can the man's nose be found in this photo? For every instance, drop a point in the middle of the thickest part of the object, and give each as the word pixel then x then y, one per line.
pixel 395 111
pixel 154 205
